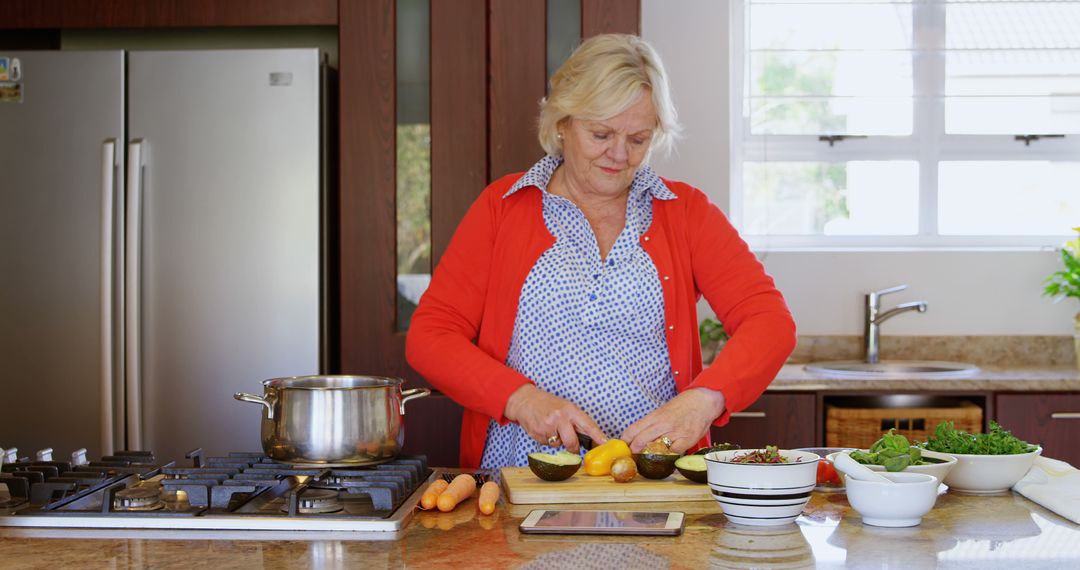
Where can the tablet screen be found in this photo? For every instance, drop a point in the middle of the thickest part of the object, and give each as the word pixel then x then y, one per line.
pixel 602 519
pixel 572 521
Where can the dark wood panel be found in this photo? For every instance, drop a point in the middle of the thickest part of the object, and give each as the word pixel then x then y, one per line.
pixel 433 428
pixel 458 114
pixel 788 421
pixel 518 72
pixel 610 17
pixel 165 13
pixel 369 342
pixel 1028 416
pixel 31 14
pixel 29 39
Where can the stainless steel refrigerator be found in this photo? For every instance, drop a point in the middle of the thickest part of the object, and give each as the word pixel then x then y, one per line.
pixel 160 244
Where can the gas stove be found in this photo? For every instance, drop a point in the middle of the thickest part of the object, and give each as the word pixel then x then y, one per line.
pixel 240 491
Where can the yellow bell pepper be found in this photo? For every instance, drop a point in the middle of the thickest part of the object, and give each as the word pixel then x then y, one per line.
pixel 599 459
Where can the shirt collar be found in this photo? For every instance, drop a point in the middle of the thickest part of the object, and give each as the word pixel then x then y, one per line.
pixel 540 174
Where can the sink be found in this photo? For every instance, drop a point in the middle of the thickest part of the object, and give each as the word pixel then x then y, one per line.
pixel 893 369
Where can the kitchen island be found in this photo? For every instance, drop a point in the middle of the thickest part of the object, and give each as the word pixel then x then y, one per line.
pixel 961 531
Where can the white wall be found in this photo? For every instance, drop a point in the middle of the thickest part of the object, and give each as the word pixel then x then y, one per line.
pixel 974 292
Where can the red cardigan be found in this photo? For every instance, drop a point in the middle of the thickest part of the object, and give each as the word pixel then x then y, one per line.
pixel 460 333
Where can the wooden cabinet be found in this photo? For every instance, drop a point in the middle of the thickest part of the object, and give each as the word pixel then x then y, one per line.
pixel 433 428
pixel 83 14
pixel 787 420
pixel 1048 419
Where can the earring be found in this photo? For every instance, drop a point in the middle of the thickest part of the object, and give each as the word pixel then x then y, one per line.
pixel 558 136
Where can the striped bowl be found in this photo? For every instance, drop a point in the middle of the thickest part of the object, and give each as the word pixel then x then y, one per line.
pixel 762 494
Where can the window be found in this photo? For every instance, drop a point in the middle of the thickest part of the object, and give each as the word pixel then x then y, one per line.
pixel 413 138
pixel 916 123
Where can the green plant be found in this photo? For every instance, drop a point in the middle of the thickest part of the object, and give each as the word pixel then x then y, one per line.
pixel 1066 283
pixel 712 330
pixel 948 439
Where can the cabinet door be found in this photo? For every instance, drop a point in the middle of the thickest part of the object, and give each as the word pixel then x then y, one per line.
pixel 785 420
pixel 1046 419
pixel 433 428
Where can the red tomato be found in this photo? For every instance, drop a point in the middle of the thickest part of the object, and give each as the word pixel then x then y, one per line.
pixel 827 474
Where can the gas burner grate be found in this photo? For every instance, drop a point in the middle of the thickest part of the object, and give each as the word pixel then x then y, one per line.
pixel 47 484
pixel 227 484
pixel 132 489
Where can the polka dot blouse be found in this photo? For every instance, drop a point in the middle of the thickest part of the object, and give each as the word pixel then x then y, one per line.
pixel 589 330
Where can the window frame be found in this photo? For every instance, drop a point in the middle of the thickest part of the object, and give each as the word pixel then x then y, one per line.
pixel 927 146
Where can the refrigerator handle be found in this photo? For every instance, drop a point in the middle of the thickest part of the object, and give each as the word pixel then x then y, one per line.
pixel 108 204
pixel 132 380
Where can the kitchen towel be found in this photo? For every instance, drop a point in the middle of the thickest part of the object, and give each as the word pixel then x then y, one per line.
pixel 1053 484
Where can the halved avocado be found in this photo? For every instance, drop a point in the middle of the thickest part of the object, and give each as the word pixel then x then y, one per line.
pixel 554 466
pixel 717 447
pixel 655 465
pixel 693 468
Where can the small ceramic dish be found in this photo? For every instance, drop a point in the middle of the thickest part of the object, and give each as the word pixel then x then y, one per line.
pixel 900 503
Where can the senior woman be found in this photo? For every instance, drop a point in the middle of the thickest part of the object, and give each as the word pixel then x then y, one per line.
pixel 566 300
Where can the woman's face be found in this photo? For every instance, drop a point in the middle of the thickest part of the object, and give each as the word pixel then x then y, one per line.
pixel 601 157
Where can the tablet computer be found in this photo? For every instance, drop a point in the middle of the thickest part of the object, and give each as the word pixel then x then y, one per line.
pixel 603 522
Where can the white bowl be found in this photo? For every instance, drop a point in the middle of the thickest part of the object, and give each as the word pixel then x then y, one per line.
pixel 900 503
pixel 988 474
pixel 762 494
pixel 937 470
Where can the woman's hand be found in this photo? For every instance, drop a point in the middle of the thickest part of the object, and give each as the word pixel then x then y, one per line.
pixel 684 420
pixel 546 416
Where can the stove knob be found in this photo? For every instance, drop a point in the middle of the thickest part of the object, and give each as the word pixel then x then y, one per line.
pixel 78 457
pixel 44 454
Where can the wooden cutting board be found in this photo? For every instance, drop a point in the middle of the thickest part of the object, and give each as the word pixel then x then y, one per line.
pixel 522 487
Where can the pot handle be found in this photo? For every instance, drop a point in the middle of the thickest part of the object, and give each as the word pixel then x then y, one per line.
pixel 244 397
pixel 412 394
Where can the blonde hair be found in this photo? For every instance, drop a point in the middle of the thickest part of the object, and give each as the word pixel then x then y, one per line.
pixel 602 78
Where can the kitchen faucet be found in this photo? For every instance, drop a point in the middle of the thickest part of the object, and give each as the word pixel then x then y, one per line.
pixel 874 318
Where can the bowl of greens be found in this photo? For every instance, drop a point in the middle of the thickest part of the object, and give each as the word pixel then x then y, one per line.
pixel 986 463
pixel 894 453
pixel 762 487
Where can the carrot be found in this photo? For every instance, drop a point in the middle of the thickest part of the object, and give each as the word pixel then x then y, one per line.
pixel 489 495
pixel 462 487
pixel 431 495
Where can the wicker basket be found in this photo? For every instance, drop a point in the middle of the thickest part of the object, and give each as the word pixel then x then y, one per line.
pixel 861 427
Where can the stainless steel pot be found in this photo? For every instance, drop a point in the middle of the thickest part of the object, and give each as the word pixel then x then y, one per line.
pixel 333 420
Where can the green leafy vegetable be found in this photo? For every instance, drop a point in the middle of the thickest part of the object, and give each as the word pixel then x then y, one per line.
pixel 948 439
pixel 892 451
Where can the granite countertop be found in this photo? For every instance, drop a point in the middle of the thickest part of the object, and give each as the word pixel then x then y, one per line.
pixel 1004 378
pixel 961 531
pixel 1006 363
